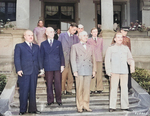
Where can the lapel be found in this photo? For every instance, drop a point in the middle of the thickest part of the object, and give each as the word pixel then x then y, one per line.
pixel 88 50
pixel 47 45
pixel 27 47
pixel 67 37
pixel 80 46
pixel 93 42
pixel 53 45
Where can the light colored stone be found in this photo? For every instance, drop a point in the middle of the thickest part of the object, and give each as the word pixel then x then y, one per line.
pixel 107 14
pixel 23 14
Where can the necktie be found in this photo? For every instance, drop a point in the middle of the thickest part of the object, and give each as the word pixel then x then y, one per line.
pixel 50 43
pixel 30 45
pixel 95 40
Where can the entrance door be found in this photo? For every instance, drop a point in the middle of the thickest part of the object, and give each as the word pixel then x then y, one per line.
pixel 58 14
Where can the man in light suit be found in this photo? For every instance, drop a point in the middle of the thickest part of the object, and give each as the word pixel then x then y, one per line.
pixel 68 39
pixel 53 63
pixel 97 44
pixel 84 67
pixel 27 64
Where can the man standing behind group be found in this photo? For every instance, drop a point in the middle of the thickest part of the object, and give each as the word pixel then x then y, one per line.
pixel 97 44
pixel 39 33
pixel 84 67
pixel 57 34
pixel 68 39
pixel 80 29
pixel 27 64
pixel 53 64
pixel 126 41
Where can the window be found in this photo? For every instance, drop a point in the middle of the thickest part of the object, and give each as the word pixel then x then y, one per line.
pixel 8 11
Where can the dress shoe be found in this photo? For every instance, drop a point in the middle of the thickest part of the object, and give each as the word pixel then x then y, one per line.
pixel 92 92
pixel 80 111
pixel 50 103
pixel 127 109
pixel 60 104
pixel 63 93
pixel 21 113
pixel 111 110
pixel 98 92
pixel 68 93
pixel 88 110
pixel 35 112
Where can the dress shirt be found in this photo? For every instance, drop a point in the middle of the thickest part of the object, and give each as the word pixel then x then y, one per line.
pixel 84 44
pixel 69 33
pixel 51 40
pixel 28 43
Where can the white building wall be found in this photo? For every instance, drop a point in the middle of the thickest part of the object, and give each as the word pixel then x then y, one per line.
pixel 35 13
pixel 86 14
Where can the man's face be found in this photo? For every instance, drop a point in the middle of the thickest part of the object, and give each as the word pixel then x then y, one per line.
pixel 50 33
pixel 119 39
pixel 94 33
pixel 124 33
pixel 84 38
pixel 40 24
pixel 80 30
pixel 72 30
pixel 58 31
pixel 28 36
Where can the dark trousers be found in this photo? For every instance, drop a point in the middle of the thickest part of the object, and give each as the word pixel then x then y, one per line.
pixel 56 76
pixel 27 90
pixel 129 79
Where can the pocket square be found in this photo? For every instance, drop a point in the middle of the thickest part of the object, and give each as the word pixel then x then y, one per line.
pixel 57 47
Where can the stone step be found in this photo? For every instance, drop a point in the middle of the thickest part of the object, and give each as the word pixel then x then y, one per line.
pixel 71 99
pixel 96 112
pixel 69 107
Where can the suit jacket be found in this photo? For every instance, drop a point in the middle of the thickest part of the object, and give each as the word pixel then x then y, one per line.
pixel 56 36
pixel 52 57
pixel 83 60
pixel 97 47
pixel 26 59
pixel 67 42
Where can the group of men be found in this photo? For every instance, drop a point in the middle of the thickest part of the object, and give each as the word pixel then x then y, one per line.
pixel 71 56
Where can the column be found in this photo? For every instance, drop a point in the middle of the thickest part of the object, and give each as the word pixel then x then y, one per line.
pixel 86 14
pixel 23 14
pixel 107 14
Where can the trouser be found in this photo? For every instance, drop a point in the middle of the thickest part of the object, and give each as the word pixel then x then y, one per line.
pixel 27 90
pixel 97 81
pixel 67 76
pixel 56 76
pixel 83 92
pixel 129 79
pixel 124 90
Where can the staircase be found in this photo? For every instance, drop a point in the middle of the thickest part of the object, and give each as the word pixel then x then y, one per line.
pixel 99 103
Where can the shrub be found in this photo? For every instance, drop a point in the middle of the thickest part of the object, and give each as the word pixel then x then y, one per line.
pixel 142 77
pixel 2 82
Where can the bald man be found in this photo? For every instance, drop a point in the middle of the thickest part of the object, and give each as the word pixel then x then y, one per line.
pixel 53 64
pixel 27 64
pixel 84 67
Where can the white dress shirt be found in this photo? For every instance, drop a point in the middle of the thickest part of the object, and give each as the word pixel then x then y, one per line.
pixel 84 44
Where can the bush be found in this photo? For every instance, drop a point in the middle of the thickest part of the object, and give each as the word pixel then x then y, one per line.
pixel 2 82
pixel 142 77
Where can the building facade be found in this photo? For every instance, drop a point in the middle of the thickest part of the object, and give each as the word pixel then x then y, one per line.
pixel 90 13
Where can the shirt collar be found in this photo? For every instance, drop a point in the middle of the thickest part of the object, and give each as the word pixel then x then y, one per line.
pixel 28 43
pixel 50 39
pixel 69 33
pixel 94 38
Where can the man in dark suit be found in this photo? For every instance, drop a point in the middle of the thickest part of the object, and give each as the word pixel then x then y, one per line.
pixel 68 39
pixel 53 63
pixel 27 64
pixel 57 34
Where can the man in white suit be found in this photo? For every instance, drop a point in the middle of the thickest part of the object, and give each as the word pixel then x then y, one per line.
pixel 84 67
